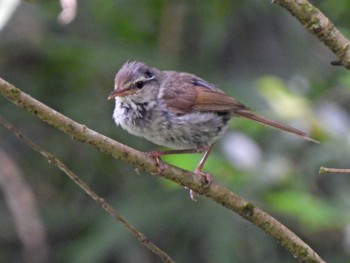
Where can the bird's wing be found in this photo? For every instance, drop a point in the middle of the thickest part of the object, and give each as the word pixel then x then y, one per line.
pixel 188 93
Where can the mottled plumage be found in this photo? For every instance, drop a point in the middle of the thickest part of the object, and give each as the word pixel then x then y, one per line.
pixel 177 110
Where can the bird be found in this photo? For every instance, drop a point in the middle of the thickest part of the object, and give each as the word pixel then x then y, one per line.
pixel 178 110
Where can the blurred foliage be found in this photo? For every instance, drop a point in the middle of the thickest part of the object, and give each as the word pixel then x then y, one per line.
pixel 254 51
pixel 308 210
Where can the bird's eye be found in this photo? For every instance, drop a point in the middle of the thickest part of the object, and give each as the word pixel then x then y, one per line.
pixel 139 84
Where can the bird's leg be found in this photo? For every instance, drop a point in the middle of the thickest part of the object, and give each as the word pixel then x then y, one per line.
pixel 157 154
pixel 207 177
pixel 161 153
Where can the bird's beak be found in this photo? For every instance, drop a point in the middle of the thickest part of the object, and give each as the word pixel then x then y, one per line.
pixel 113 94
pixel 119 93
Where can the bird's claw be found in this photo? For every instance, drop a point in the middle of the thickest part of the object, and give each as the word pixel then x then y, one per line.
pixel 206 182
pixel 206 178
pixel 193 195
pixel 156 155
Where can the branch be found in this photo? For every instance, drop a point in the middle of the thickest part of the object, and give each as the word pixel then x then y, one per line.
pixel 216 192
pixel 325 170
pixel 318 24
pixel 22 203
pixel 99 200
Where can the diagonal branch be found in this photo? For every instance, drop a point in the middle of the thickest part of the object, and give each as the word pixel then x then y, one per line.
pixel 216 192
pixel 99 200
pixel 318 24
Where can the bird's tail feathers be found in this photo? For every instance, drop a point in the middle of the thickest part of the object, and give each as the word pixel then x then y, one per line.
pixel 251 115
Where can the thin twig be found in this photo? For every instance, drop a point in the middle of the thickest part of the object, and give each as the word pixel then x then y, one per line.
pixel 141 161
pixel 336 63
pixel 99 200
pixel 325 170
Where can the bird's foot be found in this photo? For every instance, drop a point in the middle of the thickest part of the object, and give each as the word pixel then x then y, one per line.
pixel 156 155
pixel 206 180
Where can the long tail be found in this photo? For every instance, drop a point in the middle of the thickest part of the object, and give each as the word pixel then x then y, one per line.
pixel 251 115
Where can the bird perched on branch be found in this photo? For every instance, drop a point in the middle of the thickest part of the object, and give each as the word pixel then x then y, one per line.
pixel 177 110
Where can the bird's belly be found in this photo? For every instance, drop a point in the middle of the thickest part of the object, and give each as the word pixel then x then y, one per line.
pixel 187 131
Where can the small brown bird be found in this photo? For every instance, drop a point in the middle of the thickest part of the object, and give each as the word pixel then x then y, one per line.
pixel 177 110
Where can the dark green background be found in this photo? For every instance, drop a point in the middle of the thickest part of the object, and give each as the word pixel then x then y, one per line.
pixel 255 51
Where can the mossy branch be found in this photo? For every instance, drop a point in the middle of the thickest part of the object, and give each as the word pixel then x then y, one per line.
pixel 321 26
